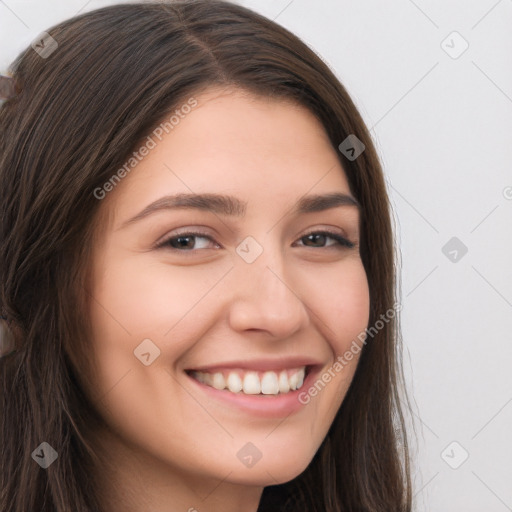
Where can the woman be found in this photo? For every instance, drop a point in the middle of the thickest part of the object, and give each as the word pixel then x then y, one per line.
pixel 258 371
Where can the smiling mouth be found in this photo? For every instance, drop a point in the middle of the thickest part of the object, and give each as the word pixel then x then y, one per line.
pixel 250 382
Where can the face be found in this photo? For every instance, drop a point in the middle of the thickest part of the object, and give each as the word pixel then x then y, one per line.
pixel 207 316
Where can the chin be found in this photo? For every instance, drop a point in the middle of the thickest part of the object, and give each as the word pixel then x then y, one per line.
pixel 263 474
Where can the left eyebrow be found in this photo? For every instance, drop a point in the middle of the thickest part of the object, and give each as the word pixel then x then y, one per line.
pixel 232 206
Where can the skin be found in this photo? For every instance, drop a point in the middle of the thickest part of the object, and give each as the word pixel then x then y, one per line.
pixel 170 447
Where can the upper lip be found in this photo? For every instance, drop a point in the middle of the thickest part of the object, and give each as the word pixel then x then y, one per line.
pixel 261 364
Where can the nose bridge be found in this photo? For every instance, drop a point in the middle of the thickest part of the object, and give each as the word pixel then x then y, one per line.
pixel 263 264
pixel 263 298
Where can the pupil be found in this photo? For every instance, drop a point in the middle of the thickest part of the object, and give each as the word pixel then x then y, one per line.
pixel 313 236
pixel 179 239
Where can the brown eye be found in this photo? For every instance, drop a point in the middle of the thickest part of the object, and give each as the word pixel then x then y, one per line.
pixel 182 242
pixel 323 235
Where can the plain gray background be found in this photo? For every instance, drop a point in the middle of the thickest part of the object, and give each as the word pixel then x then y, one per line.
pixel 441 119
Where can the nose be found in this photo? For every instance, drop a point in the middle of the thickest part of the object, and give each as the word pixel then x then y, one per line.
pixel 263 300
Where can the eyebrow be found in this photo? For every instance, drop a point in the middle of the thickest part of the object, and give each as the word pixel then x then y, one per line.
pixel 234 207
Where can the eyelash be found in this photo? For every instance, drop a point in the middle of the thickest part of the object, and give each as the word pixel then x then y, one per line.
pixel 342 242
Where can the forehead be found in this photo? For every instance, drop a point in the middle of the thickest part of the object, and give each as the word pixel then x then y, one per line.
pixel 264 150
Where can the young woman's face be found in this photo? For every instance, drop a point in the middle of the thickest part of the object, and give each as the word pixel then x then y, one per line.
pixel 254 301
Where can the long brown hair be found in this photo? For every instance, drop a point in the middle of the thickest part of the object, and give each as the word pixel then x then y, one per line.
pixel 79 113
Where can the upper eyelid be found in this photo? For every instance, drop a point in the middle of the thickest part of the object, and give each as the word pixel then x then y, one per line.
pixel 349 216
pixel 199 233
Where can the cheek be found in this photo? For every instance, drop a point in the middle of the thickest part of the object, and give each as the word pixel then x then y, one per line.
pixel 342 308
pixel 343 305
pixel 350 320
pixel 353 310
pixel 133 301
pixel 153 299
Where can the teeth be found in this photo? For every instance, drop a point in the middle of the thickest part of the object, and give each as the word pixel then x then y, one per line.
pixel 269 384
pixel 208 379
pixel 218 381
pixel 300 380
pixel 234 382
pixel 284 385
pixel 254 383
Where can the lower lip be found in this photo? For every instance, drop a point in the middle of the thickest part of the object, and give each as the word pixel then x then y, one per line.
pixel 266 406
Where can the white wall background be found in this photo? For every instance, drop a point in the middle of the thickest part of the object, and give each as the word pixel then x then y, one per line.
pixel 443 128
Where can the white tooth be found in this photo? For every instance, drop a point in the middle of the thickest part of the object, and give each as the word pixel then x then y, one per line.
pixel 269 384
pixel 284 385
pixel 234 382
pixel 218 381
pixel 301 373
pixel 251 384
pixel 293 380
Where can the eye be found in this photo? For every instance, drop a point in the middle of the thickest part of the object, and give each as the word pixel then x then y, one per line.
pixel 183 242
pixel 324 234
